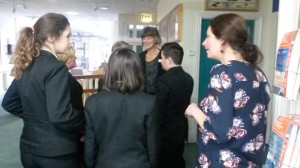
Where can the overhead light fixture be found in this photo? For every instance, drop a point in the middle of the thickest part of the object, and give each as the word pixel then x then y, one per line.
pixel 72 13
pixel 104 8
pixel 146 17
pixel 22 5
pixel 19 5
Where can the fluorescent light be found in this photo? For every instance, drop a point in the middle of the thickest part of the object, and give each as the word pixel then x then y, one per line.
pixel 104 8
pixel 72 13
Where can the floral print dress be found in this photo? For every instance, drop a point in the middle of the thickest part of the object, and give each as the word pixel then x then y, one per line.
pixel 236 106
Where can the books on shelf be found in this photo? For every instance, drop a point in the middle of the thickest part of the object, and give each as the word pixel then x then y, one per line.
pixel 287 69
pixel 284 146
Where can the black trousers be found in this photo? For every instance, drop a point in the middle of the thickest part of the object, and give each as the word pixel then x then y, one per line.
pixel 65 161
pixel 171 156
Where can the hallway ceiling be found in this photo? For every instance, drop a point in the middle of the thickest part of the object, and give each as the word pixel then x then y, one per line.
pixel 86 9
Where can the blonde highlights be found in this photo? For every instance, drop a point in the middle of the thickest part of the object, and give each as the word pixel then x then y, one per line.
pixel 67 56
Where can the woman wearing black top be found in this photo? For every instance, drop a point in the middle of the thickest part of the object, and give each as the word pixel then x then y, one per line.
pixel 150 58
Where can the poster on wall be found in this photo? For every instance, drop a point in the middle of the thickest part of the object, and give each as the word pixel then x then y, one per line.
pixel 287 70
pixel 232 5
pixel 163 29
pixel 175 24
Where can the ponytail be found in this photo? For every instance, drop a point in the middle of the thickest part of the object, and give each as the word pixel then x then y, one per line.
pixel 251 54
pixel 26 49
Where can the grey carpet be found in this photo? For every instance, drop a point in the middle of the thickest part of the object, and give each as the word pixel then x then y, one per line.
pixel 10 131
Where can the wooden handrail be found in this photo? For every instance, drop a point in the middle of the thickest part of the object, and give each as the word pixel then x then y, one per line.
pixel 88 76
pixel 89 84
pixel 89 91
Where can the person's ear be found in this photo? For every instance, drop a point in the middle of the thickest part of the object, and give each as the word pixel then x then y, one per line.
pixel 50 39
pixel 224 45
pixel 170 61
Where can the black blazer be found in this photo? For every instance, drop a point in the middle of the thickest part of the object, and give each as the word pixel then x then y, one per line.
pixel 121 130
pixel 51 124
pixel 76 93
pixel 160 70
pixel 11 101
pixel 173 97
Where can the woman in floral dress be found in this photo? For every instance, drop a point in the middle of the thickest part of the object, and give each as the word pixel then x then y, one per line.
pixel 232 117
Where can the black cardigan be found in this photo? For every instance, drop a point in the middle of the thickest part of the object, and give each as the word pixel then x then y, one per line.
pixel 160 70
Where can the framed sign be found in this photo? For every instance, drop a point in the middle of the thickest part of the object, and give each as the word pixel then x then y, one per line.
pixel 175 24
pixel 162 27
pixel 232 5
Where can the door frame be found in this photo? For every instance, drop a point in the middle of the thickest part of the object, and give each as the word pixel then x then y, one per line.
pixel 257 17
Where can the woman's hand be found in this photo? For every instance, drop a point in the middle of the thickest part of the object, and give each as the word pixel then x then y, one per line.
pixel 191 109
pixel 194 111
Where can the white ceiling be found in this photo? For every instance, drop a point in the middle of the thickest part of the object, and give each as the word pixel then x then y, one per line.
pixel 87 9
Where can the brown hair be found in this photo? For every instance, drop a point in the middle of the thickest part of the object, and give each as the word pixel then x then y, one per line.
pixel 173 50
pixel 232 29
pixel 123 72
pixel 152 32
pixel 31 40
pixel 120 44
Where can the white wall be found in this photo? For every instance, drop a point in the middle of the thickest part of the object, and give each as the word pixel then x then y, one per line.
pixel 164 7
pixel 192 12
pixel 268 48
pixel 9 30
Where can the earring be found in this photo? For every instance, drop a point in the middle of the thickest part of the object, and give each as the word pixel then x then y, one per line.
pixel 222 51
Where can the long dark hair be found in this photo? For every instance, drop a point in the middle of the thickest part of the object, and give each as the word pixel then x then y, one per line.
pixel 123 72
pixel 31 40
pixel 232 29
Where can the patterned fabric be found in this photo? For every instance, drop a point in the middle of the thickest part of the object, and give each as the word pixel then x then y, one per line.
pixel 151 75
pixel 236 104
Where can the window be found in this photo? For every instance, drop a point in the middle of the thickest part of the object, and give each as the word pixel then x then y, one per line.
pixel 139 30
pixel 132 35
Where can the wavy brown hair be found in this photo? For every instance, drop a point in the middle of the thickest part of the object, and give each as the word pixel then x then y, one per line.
pixel 31 40
pixel 26 49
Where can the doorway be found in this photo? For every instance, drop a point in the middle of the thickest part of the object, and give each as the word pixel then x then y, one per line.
pixel 205 63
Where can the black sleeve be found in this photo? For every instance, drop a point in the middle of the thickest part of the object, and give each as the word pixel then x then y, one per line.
pixel 90 145
pixel 100 84
pixel 162 93
pixel 11 101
